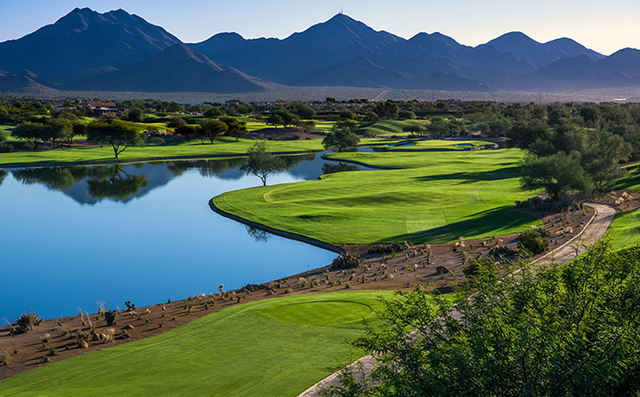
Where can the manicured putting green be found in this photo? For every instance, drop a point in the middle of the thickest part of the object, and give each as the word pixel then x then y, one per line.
pixel 275 347
pixel 321 312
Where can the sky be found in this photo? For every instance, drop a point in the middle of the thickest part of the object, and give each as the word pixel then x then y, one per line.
pixel 602 26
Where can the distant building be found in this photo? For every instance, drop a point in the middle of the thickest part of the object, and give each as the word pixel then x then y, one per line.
pixel 102 109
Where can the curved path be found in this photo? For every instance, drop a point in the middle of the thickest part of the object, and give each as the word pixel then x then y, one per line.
pixel 593 231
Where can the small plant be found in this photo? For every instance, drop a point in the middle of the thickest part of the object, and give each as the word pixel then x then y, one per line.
pixel 27 321
pixel 53 351
pixel 160 325
pixel 110 317
pixel 346 261
pixel 130 306
pixel 147 321
pixel 347 286
pixel 535 241
pixel 46 359
pixel 5 359
pixel 46 338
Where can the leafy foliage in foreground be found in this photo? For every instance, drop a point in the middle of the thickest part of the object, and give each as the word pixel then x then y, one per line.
pixel 568 330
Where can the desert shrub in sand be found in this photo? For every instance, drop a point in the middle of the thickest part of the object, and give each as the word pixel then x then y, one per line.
pixel 346 261
pixel 27 321
pixel 110 317
pixel 5 359
pixel 535 241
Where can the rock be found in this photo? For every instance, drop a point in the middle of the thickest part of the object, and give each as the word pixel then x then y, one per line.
pixel 95 337
pixel 129 327
pixel 103 336
pixel 442 270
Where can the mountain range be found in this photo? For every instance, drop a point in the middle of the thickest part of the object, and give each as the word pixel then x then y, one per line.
pixel 117 51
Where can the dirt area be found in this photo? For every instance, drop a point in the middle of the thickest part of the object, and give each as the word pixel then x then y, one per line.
pixel 403 269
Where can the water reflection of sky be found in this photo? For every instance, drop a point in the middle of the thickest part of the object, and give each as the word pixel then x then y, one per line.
pixel 144 241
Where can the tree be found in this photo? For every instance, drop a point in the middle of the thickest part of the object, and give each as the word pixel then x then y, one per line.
pixel 187 131
pixel 56 130
pixel 235 127
pixel 406 114
pixel 522 135
pixel 566 330
pixel 118 134
pixel 275 120
pixel 340 138
pixel 387 110
pixel 211 128
pixel 29 132
pixel 308 126
pixel 135 114
pixel 288 118
pixel 176 122
pixel 601 156
pixel 413 129
pixel 557 174
pixel 261 163
pixel 438 127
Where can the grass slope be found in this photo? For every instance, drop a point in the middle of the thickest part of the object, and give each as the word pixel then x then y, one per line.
pixel 625 229
pixel 275 347
pixel 387 127
pixel 431 197
pixel 221 146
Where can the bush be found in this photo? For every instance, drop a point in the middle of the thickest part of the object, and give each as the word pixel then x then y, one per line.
pixel 110 317
pixel 346 261
pixel 386 249
pixel 6 148
pixel 5 359
pixel 535 241
pixel 27 321
pixel 406 114
pixel 502 251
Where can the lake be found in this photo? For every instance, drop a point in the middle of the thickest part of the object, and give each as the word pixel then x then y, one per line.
pixel 74 236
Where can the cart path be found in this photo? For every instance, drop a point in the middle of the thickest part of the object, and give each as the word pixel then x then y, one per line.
pixel 592 232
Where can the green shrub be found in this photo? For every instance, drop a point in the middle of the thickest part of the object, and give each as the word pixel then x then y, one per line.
pixel 346 261
pixel 110 317
pixel 5 359
pixel 27 321
pixel 535 241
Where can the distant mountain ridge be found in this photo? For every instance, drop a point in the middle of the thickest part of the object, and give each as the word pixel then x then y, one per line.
pixel 117 51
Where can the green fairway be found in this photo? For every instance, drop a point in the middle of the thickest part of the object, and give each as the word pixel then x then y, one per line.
pixel 387 127
pixel 275 347
pixel 429 197
pixel 221 146
pixel 433 144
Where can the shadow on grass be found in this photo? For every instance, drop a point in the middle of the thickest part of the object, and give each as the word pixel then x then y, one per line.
pixel 469 177
pixel 631 181
pixel 481 223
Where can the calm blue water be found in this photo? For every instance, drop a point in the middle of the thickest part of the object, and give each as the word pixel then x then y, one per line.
pixel 70 237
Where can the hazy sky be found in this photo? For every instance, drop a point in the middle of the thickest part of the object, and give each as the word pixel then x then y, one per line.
pixel 602 26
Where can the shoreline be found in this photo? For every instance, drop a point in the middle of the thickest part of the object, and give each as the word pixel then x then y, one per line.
pixel 278 232
pixel 144 159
